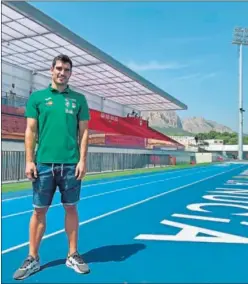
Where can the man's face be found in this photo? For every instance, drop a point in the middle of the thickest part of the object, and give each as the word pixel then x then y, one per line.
pixel 61 73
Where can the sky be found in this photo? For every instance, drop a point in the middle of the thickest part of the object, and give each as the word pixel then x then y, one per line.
pixel 185 48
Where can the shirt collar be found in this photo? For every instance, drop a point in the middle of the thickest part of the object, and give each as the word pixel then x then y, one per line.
pixel 66 90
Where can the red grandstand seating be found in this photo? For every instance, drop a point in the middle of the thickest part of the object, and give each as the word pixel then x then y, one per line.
pixel 137 121
pixel 125 141
pixel 152 133
pixel 141 131
pixel 128 131
pixel 101 125
pixel 134 127
pixel 115 124
pixel 13 127
pixel 12 110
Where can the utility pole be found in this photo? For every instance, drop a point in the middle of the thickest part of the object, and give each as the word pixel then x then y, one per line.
pixel 240 38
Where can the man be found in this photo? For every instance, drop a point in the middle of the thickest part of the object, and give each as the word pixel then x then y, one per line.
pixel 58 117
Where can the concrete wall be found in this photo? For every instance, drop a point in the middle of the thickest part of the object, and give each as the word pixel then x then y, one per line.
pixel 12 146
pixel 203 158
pixel 225 148
pixel 181 157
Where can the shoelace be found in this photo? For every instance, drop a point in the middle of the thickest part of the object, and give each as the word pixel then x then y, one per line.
pixel 27 262
pixel 78 258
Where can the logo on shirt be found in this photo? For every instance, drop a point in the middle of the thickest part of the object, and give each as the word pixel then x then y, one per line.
pixel 70 105
pixel 49 101
pixel 69 111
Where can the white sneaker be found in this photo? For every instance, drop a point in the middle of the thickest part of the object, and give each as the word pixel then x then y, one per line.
pixel 76 262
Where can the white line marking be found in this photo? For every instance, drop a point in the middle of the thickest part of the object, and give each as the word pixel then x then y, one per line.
pixel 189 234
pixel 18 197
pixel 117 210
pixel 103 193
pixel 230 189
pixel 114 181
pixel 236 183
pixel 201 218
pixel 244 223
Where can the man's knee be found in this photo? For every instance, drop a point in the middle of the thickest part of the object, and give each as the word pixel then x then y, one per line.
pixel 40 213
pixel 70 208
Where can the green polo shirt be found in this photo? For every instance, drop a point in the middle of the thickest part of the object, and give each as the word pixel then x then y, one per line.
pixel 58 115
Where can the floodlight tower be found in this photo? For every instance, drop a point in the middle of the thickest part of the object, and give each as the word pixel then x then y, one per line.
pixel 240 38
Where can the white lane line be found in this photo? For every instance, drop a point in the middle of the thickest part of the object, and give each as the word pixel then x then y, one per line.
pixel 113 181
pixel 117 210
pixel 244 223
pixel 17 197
pixel 103 193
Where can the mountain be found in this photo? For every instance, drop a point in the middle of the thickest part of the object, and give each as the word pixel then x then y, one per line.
pixel 201 125
pixel 170 123
pixel 172 131
pixel 166 122
pixel 163 119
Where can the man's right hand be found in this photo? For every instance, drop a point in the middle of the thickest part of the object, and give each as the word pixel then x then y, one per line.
pixel 31 171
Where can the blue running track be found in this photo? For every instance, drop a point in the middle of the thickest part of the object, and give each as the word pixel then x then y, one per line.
pixel 181 226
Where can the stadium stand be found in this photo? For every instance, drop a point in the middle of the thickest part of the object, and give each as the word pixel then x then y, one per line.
pixel 106 129
pixel 112 89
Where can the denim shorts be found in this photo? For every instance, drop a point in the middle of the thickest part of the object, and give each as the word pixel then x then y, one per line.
pixel 51 176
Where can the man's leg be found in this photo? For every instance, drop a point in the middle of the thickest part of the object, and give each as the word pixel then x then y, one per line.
pixel 71 227
pixel 70 189
pixel 43 191
pixel 36 230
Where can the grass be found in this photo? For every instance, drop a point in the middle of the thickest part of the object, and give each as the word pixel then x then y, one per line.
pixel 17 186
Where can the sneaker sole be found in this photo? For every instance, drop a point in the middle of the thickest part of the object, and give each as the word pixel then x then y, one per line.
pixel 68 264
pixel 35 269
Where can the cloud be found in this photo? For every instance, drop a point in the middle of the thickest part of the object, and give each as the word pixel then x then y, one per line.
pixel 197 76
pixel 190 76
pixel 155 65
pixel 210 75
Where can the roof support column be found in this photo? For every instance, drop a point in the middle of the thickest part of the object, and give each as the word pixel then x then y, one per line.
pixel 102 104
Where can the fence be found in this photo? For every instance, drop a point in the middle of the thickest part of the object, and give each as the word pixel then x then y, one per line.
pixel 13 163
pixel 11 99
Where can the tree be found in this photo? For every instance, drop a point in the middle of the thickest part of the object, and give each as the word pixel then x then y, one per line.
pixel 246 140
pixel 212 134
pixel 228 138
pixel 233 141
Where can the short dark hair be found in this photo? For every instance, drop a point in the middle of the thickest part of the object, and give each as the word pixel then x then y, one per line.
pixel 62 57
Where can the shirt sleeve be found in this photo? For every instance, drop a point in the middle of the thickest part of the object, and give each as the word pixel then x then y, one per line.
pixel 31 107
pixel 84 112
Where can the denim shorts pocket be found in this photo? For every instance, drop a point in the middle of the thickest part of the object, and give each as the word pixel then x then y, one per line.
pixel 69 186
pixel 44 180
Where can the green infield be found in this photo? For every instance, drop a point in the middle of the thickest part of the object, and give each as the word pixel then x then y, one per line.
pixel 15 186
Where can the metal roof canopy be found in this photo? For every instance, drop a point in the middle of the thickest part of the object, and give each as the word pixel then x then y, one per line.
pixel 31 39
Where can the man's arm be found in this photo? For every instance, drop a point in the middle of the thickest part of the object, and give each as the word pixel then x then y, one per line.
pixel 30 142
pixel 83 145
pixel 83 139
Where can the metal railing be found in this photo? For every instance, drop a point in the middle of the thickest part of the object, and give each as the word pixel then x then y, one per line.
pixel 13 163
pixel 13 166
pixel 14 100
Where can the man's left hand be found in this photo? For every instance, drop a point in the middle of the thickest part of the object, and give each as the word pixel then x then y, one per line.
pixel 80 170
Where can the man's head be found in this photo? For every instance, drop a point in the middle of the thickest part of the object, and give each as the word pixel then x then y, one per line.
pixel 61 70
